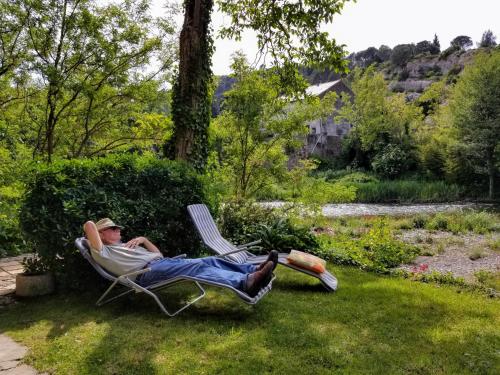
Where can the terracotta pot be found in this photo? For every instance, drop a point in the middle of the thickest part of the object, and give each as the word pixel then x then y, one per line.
pixel 34 285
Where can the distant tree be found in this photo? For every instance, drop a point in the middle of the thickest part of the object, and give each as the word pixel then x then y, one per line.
pixel 462 41
pixel 402 53
pixel 256 126
pixel 436 47
pixel 367 57
pixel 475 107
pixel 423 47
pixel 379 118
pixel 384 53
pixel 13 20
pixel 488 39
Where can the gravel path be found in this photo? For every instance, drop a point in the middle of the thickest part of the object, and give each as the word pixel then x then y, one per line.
pixel 369 209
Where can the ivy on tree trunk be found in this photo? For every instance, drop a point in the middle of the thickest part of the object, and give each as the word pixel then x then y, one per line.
pixel 191 99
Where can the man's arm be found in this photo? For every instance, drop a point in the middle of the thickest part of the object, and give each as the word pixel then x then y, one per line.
pixel 144 242
pixel 92 235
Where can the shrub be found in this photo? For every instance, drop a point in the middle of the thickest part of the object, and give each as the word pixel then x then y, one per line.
pixel 438 222
pixel 237 221
pixel 246 222
pixel 357 177
pixel 283 236
pixel 145 195
pixel 420 221
pixel 11 240
pixel 34 265
pixel 376 250
pixel 392 161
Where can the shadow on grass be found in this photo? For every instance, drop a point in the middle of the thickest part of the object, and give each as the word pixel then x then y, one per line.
pixel 371 324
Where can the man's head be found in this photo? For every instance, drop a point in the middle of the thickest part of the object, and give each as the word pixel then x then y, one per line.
pixel 109 231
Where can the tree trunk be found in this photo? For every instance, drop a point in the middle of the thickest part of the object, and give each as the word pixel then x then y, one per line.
pixel 191 99
pixel 491 174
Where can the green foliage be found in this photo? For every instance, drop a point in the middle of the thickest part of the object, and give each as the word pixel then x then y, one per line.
pixel 247 222
pixel 292 38
pixel 256 129
pixel 290 33
pixel 408 191
pixel 145 195
pixel 433 277
pixel 420 221
pixel 357 178
pixel 438 222
pixel 480 222
pixel 402 53
pixel 375 250
pixel 475 108
pixel 392 161
pixel 379 118
pixel 424 47
pixel 461 42
pixel 34 265
pixel 436 46
pixel 488 279
pixel 191 92
pixel 81 86
pixel 447 52
pixel 488 39
pixel 283 236
pixel 11 240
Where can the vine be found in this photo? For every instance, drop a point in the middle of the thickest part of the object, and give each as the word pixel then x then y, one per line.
pixel 191 99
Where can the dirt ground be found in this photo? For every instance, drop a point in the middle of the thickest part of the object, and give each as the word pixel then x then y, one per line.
pixel 460 254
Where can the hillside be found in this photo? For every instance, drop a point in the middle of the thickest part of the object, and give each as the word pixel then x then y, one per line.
pixel 410 77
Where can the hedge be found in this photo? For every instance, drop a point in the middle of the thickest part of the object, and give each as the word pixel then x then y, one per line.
pixel 146 195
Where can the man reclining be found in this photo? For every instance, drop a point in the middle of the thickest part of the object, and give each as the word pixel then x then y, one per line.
pixel 120 258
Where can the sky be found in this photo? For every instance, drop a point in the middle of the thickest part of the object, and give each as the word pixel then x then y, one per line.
pixel 368 23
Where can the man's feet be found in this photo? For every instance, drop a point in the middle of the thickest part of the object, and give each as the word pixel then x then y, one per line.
pixel 257 280
pixel 272 257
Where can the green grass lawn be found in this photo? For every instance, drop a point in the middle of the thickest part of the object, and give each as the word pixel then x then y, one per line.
pixel 372 324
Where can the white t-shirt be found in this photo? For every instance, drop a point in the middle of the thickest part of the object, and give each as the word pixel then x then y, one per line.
pixel 120 260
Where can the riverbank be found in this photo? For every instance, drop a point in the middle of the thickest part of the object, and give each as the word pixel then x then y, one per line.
pixel 374 209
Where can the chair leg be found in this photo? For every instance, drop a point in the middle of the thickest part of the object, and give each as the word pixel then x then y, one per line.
pixel 139 288
pixel 162 306
pixel 100 301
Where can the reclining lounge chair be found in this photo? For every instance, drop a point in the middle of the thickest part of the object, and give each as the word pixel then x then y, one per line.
pixel 128 281
pixel 212 238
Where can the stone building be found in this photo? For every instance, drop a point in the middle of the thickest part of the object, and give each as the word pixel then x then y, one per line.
pixel 324 138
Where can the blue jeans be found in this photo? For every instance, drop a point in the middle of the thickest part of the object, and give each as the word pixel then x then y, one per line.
pixel 210 269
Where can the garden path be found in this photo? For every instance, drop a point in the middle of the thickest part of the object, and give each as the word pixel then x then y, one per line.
pixel 12 353
pixel 9 268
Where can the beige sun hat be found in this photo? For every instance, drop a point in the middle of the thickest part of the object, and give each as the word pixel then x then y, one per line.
pixel 106 223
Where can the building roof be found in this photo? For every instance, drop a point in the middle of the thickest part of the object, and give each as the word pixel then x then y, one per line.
pixel 321 88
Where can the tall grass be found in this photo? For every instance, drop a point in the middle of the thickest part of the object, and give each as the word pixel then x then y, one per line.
pixel 408 191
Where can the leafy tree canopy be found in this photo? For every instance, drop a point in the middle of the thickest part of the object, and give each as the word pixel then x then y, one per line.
pixel 462 41
pixel 289 31
pixel 488 39
pixel 475 107
pixel 402 53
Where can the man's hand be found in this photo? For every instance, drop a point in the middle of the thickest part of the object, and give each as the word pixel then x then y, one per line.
pixel 133 243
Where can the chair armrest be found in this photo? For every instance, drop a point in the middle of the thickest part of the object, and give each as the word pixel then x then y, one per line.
pixel 247 245
pixel 231 252
pixel 180 256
